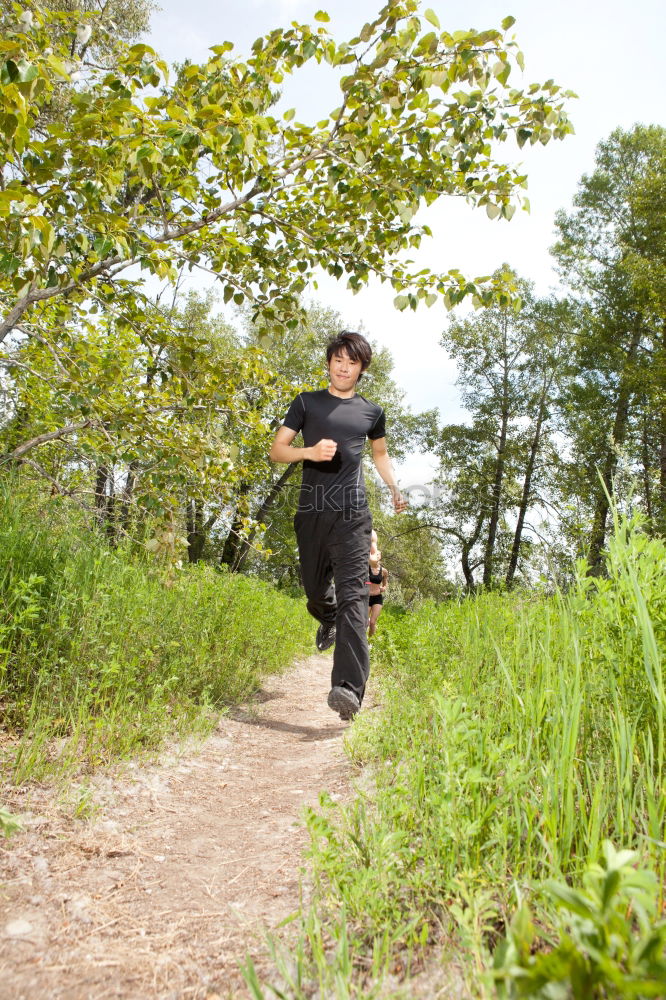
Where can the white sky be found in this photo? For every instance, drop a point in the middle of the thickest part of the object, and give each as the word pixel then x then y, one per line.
pixel 609 52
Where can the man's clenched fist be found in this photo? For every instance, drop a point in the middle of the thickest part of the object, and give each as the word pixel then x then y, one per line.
pixel 324 450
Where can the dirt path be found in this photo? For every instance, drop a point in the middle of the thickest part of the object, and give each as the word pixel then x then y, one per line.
pixel 167 886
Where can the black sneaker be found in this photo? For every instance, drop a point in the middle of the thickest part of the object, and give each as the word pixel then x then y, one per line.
pixel 325 637
pixel 344 701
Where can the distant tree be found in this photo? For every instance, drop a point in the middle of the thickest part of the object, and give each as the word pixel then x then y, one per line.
pixel 459 508
pixel 87 33
pixel 546 354
pixel 158 410
pixel 141 175
pixel 108 20
pixel 611 250
pixel 412 552
pixel 507 358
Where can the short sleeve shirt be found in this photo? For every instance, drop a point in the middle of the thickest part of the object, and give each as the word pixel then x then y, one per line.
pixel 338 484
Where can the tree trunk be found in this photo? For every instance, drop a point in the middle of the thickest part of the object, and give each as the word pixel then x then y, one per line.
pixel 100 494
pixel 233 540
pixel 526 495
pixel 467 572
pixel 660 394
pixel 499 470
pixel 232 543
pixel 660 519
pixel 245 546
pixel 495 504
pixel 619 432
pixel 110 522
pixel 647 465
pixel 197 529
pixel 467 546
pixel 127 494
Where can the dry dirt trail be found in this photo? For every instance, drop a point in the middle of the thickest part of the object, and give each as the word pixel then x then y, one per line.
pixel 163 890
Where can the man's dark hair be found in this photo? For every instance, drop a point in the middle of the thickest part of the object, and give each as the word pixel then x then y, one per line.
pixel 354 344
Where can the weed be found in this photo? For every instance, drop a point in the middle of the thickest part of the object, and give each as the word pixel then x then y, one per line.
pixel 611 943
pixel 517 733
pixel 98 660
pixel 9 823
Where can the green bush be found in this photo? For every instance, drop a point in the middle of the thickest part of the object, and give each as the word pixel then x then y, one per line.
pixel 611 942
pixel 515 734
pixel 95 649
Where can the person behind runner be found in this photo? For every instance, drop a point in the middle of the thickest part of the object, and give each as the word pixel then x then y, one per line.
pixel 333 522
pixel 378 580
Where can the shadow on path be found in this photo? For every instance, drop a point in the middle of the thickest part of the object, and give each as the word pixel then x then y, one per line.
pixel 308 734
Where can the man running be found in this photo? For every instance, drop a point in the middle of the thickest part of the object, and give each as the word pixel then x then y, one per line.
pixel 333 522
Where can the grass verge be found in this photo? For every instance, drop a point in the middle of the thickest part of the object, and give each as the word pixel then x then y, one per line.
pixel 520 736
pixel 99 660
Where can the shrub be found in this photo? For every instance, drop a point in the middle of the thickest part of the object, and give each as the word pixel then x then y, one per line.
pixel 96 650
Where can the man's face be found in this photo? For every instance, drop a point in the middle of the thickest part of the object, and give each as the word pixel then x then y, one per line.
pixel 343 372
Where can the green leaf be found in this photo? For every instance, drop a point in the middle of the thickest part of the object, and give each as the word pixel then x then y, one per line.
pixel 28 72
pixel 572 900
pixel 502 70
pixel 615 860
pixel 140 49
pixel 9 72
pixel 610 886
pixel 322 16
pixel 508 22
pixel 58 65
pixel 103 246
pixel 432 17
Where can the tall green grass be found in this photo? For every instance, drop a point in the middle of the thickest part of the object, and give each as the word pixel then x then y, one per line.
pixel 516 734
pixel 98 658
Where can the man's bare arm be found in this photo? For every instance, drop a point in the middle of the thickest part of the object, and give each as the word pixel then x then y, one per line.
pixel 382 460
pixel 282 449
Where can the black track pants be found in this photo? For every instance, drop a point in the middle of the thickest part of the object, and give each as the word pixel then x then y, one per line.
pixel 334 547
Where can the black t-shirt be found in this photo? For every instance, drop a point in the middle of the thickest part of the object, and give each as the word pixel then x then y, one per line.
pixel 338 484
